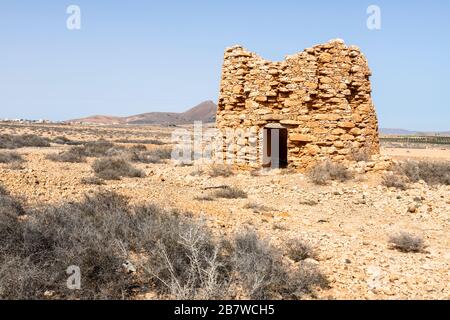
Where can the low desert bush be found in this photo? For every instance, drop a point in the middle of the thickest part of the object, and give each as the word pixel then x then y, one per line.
pixel 155 155
pixel 8 141
pixel 198 171
pixel 220 170
pixel 204 197
pixel 230 193
pixel 99 148
pixel 10 230
pixel 323 172
pixel 9 205
pixel 397 181
pixel 257 266
pixel 65 140
pixel 360 154
pixel 197 267
pixel 114 168
pixel 77 154
pixel 73 155
pixel 94 235
pixel 255 173
pixel 92 181
pixel 263 275
pixel 16 166
pixel 10 157
pixel 137 148
pixel 186 262
pixel 432 172
pixel 299 250
pixel 102 233
pixel 257 207
pixel 407 242
pixel 3 191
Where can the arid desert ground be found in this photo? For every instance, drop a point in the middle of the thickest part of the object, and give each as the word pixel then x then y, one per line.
pixel 347 226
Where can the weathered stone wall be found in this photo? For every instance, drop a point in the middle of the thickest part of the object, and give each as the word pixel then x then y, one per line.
pixel 321 95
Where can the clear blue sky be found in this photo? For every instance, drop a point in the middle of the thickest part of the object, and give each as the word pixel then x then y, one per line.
pixel 138 56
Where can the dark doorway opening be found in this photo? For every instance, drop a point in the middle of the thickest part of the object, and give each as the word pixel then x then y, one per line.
pixel 275 148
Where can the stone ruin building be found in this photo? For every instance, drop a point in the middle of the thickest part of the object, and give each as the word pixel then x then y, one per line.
pixel 318 102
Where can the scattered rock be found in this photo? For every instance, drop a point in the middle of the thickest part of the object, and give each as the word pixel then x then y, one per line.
pixel 412 208
pixel 129 267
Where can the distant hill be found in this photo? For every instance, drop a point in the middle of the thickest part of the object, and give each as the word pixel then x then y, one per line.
pixel 403 132
pixel 396 131
pixel 205 112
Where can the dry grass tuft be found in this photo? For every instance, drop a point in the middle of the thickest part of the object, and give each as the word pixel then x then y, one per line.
pixel 257 207
pixel 8 141
pixel 92 181
pixel 230 193
pixel 397 181
pixel 155 155
pixel 220 170
pixel 115 168
pixel 299 250
pixel 10 157
pixel 323 172
pixel 432 172
pixel 73 155
pixel 361 154
pixel 407 242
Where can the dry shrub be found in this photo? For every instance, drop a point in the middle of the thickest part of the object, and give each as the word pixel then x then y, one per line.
pixel 258 266
pixel 138 148
pixel 65 140
pixel 257 207
pixel 204 197
pixel 189 264
pixel 93 235
pixel 220 170
pixel 325 171
pixel 100 148
pixel 407 242
pixel 73 155
pixel 182 259
pixel 432 172
pixel 230 193
pixel 10 157
pixel 255 173
pixel 260 269
pixel 92 181
pixel 3 191
pixel 16 166
pixel 186 263
pixel 299 250
pixel 115 168
pixel 287 171
pixel 397 181
pixel 360 154
pixel 198 171
pixel 156 155
pixel 309 200
pixel 8 141
pixel 77 154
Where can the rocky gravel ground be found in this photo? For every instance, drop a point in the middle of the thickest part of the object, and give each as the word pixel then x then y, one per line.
pixel 348 223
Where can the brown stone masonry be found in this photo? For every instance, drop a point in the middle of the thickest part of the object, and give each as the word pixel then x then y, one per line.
pixel 321 96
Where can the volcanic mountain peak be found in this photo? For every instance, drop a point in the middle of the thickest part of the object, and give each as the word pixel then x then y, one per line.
pixel 205 112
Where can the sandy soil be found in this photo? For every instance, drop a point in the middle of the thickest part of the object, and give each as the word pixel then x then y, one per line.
pixel 418 154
